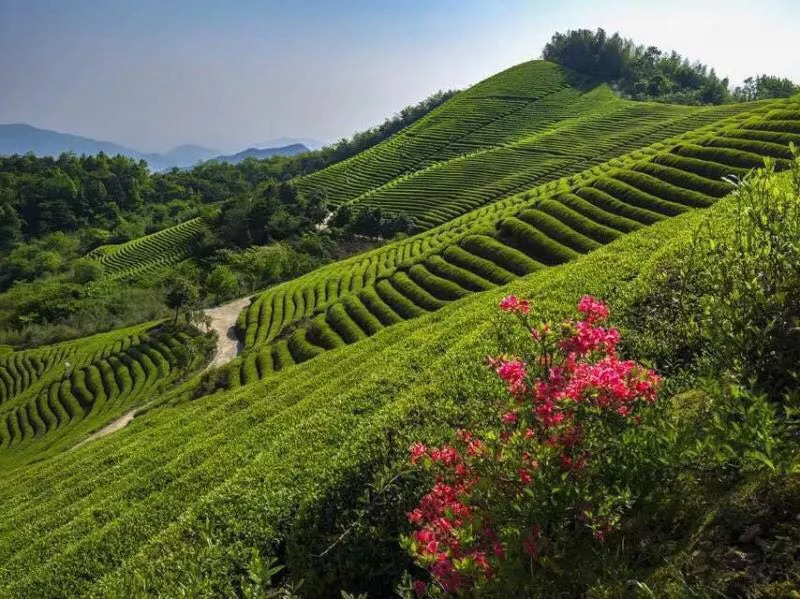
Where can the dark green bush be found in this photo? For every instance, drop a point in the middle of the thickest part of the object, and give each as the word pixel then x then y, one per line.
pixel 320 333
pixel 340 321
pixel 281 357
pixel 300 347
pixel 534 243
pixel 727 156
pixel 685 179
pixel 365 320
pixel 704 168
pixel 416 294
pixel 373 302
pixel 630 194
pixel 558 231
pixel 664 190
pixel 396 300
pixel 437 286
pixel 462 277
pixel 763 148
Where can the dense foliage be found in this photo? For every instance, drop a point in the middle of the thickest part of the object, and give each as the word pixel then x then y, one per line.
pixel 765 87
pixel 648 73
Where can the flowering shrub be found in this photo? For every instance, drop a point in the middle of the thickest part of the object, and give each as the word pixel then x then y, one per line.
pixel 552 469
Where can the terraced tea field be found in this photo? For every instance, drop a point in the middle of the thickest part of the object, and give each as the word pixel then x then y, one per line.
pixel 552 224
pixel 179 498
pixel 535 181
pixel 487 143
pixel 52 396
pixel 157 250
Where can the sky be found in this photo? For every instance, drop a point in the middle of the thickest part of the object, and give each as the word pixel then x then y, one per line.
pixel 228 74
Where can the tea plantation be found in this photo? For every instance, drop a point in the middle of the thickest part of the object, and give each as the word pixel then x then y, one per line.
pixel 536 181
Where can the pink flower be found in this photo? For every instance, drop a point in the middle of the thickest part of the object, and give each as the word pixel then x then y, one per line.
pixel 593 309
pixel 513 373
pixel 420 588
pixel 512 304
pixel 509 418
pixel 418 450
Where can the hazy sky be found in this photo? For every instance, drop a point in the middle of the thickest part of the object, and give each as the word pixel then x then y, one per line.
pixel 227 74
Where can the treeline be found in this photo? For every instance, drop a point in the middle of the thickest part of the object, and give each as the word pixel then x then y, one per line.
pixel 648 73
pixel 121 199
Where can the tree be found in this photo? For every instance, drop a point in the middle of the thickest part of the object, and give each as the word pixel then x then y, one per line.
pixel 638 72
pixel 86 270
pixel 765 87
pixel 181 294
pixel 222 282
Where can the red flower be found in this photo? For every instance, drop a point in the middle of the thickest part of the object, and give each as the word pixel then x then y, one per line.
pixel 512 303
pixel 524 476
pixel 420 588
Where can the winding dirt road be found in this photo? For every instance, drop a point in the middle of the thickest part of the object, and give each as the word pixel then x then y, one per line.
pixel 223 321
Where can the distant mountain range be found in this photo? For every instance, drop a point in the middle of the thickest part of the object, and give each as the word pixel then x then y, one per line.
pixel 21 139
pixel 289 150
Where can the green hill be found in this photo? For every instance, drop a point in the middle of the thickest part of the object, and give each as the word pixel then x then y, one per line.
pixel 534 181
pixel 548 225
pixel 180 498
pixel 528 125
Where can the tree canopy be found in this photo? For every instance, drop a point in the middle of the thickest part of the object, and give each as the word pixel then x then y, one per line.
pixel 648 73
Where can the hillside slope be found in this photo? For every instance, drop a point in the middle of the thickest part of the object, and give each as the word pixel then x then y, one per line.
pixel 530 124
pixel 183 496
pixel 551 224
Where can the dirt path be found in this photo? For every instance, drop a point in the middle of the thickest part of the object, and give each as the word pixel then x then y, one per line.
pixel 118 424
pixel 223 321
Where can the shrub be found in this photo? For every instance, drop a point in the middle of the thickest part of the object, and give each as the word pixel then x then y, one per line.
pixel 561 434
pixel 630 194
pixel 505 257
pixel 607 202
pixel 558 231
pixel 372 301
pixel 466 279
pixel 481 267
pixel 577 221
pixel 686 179
pixel 300 347
pixel 416 294
pixel 341 322
pixel 397 301
pixel 746 273
pixel 598 215
pixel 437 286
pixel 665 190
pixel 366 321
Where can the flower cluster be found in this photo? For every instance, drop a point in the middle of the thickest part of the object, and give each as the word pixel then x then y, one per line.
pixel 493 500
